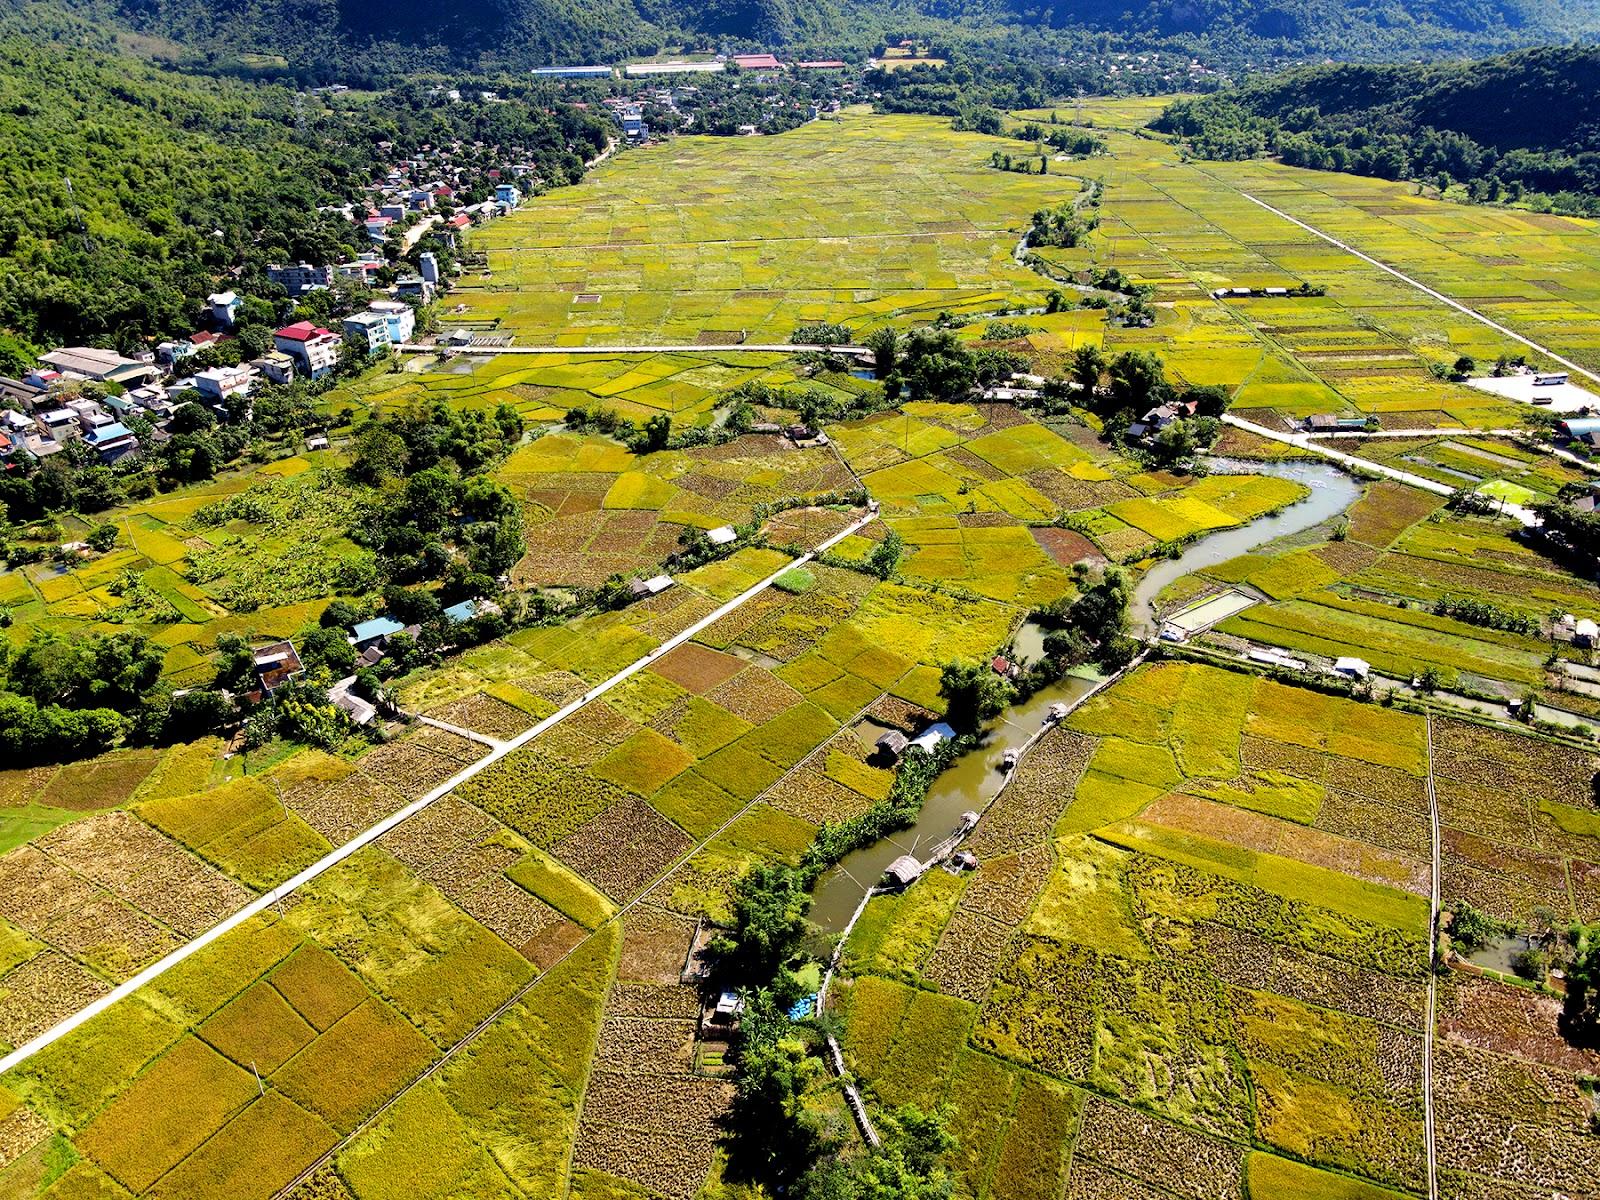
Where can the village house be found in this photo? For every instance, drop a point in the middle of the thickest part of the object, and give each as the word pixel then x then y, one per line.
pixel 374 634
pixel 1158 418
pixel 299 278
pixel 276 664
pixel 414 286
pixel 400 320
pixel 59 424
pixel 1352 668
pixel 22 392
pixel 99 366
pixel 315 350
pixel 275 366
pixel 223 308
pixel 367 331
pixel 653 586
pixel 218 383
pixel 1579 429
pixel 1333 423
pixel 112 442
pixel 360 712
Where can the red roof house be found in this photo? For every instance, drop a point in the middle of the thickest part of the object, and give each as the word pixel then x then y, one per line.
pixel 757 62
pixel 302 331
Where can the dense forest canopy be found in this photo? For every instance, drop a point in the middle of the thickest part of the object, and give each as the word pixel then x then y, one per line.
pixel 177 182
pixel 344 38
pixel 1526 122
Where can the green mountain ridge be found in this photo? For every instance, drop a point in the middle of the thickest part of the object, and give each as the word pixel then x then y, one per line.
pixel 1528 120
pixel 405 34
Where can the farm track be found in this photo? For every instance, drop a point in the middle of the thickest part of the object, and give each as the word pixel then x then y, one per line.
pixel 1305 441
pixel 1433 985
pixel 521 993
pixel 1411 282
pixel 368 836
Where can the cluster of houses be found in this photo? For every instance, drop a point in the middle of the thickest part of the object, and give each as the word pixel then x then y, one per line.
pixel 297 279
pixel 43 413
pixel 1158 418
pixel 46 409
pixel 759 66
pixel 278 663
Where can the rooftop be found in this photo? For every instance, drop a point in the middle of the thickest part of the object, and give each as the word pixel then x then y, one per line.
pixel 302 331
pixel 377 627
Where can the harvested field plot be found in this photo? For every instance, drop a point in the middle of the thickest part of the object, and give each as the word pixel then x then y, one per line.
pixel 1154 920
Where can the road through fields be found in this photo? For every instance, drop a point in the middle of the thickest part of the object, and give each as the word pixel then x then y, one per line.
pixel 365 838
pixel 1420 286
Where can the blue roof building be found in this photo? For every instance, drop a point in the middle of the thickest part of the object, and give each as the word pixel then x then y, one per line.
pixel 375 630
pixel 1582 428
pixel 464 611
pixel 107 433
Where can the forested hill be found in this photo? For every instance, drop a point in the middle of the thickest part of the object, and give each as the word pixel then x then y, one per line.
pixel 1518 123
pixel 358 39
pixel 178 183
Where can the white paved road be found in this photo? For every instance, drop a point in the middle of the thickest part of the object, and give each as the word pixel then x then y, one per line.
pixel 1420 286
pixel 634 348
pixel 1313 445
pixel 1433 935
pixel 267 899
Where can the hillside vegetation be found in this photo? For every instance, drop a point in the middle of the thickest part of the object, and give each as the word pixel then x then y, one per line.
pixel 1518 123
pixel 176 179
pixel 343 38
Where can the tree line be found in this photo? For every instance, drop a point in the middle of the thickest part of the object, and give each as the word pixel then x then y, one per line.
pixel 1522 127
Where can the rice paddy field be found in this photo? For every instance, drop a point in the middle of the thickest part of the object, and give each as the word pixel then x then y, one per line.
pixel 258 551
pixel 1195 956
pixel 684 386
pixel 1188 229
pixel 1372 586
pixel 528 932
pixel 727 239
pixel 1194 959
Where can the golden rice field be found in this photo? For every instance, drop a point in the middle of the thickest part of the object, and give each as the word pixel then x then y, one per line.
pixel 1195 957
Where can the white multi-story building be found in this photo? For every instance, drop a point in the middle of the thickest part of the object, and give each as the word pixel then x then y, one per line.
pixel 401 320
pixel 218 383
pixel 314 349
pixel 367 331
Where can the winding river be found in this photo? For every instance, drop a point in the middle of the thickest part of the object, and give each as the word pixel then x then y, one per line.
pixel 974 779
